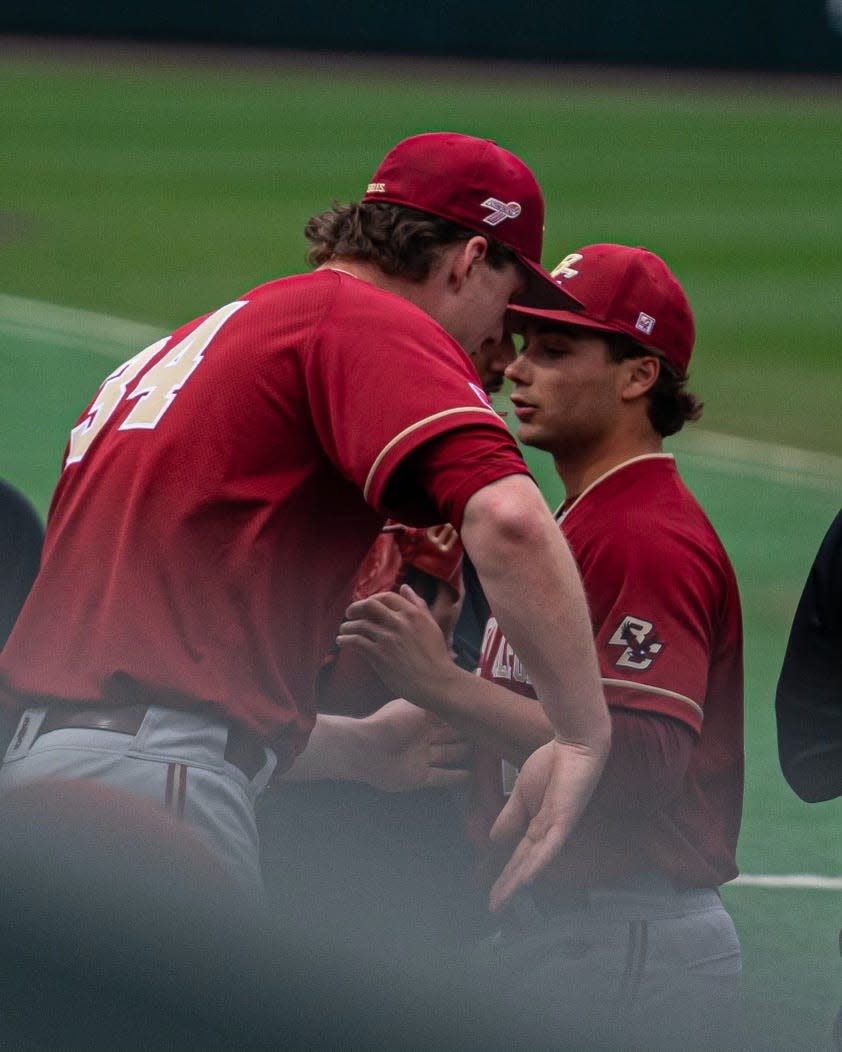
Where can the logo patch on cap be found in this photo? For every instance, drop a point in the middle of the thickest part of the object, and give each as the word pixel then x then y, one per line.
pixel 376 188
pixel 565 269
pixel 645 323
pixel 500 210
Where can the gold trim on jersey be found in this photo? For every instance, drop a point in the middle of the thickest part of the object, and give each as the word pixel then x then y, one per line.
pixel 384 452
pixel 611 471
pixel 647 688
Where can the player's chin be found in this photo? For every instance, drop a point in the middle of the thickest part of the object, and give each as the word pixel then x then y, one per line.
pixel 529 433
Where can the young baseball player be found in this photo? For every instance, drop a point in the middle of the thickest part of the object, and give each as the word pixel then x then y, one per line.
pixel 623 940
pixel 193 578
pixel 808 702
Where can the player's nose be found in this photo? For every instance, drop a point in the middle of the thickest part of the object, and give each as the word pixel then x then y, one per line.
pixel 517 370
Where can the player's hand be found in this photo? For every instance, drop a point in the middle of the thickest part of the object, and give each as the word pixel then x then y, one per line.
pixel 410 748
pixel 401 640
pixel 550 793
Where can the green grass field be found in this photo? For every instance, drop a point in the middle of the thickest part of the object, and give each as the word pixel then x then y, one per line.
pixel 154 188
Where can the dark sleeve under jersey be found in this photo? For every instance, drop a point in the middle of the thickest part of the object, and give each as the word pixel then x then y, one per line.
pixel 808 703
pixel 467 636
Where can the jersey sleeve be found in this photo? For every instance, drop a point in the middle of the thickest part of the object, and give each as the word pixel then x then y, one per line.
pixel 382 379
pixel 446 471
pixel 654 606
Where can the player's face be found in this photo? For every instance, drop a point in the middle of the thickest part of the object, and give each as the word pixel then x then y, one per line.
pixel 566 391
pixel 491 361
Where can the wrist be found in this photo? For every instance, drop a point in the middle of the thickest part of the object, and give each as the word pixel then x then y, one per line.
pixel 435 691
pixel 335 751
pixel 360 748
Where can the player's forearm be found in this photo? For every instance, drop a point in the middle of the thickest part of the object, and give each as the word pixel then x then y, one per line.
pixel 534 590
pixel 335 750
pixel 491 716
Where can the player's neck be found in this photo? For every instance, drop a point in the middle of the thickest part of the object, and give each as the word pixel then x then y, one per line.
pixel 580 468
pixel 371 273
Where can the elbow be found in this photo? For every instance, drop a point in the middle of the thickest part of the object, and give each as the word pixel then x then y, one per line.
pixel 508 513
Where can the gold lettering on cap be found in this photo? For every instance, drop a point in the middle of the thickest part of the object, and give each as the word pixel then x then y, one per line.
pixel 565 269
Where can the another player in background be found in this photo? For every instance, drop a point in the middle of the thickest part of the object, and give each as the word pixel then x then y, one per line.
pixel 193 576
pixel 623 941
pixel 808 702
pixel 365 836
pixel 21 537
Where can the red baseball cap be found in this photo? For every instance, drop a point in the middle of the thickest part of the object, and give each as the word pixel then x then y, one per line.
pixel 628 290
pixel 435 550
pixel 479 185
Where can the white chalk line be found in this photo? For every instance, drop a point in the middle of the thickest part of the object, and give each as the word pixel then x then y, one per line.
pixel 112 337
pixel 768 461
pixel 77 329
pixel 810 881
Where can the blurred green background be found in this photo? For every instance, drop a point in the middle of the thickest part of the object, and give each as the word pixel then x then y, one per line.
pixel 154 185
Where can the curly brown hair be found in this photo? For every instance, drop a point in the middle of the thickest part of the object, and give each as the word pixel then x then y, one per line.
pixel 671 405
pixel 401 241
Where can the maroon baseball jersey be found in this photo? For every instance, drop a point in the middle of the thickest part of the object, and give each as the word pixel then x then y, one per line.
pixel 222 488
pixel 667 625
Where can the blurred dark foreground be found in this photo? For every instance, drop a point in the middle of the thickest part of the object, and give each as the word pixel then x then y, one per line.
pixel 119 931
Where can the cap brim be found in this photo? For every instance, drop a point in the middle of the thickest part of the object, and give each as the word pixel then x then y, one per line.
pixel 563 317
pixel 543 292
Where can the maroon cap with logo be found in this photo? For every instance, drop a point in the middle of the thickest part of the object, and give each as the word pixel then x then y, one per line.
pixel 479 185
pixel 628 290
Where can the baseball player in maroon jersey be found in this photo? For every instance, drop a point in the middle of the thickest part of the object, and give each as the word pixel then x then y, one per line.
pixel 192 577
pixel 623 940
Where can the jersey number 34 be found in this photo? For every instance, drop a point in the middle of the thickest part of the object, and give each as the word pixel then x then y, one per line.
pixel 156 387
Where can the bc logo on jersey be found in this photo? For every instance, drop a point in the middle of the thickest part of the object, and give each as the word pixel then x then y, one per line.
pixel 639 642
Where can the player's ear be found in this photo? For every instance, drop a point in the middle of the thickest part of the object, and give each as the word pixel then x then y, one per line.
pixel 467 255
pixel 641 374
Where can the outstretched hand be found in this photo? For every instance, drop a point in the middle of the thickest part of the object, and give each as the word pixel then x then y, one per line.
pixel 550 793
pixel 410 748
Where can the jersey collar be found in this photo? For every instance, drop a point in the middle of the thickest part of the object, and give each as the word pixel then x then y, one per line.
pixel 562 511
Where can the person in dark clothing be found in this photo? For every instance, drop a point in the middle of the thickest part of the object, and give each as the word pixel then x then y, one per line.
pixel 21 537
pixel 808 701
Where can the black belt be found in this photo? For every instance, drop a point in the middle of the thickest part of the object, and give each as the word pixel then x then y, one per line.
pixel 243 748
